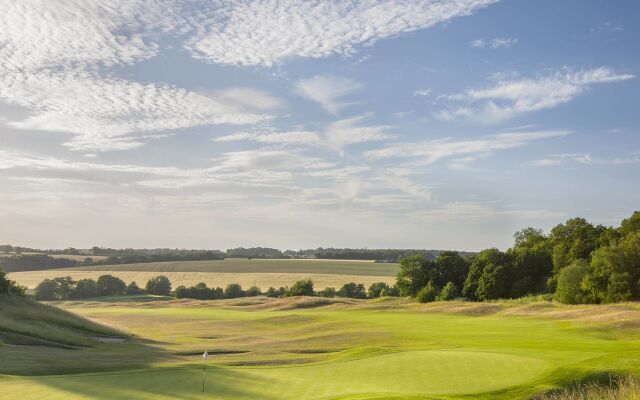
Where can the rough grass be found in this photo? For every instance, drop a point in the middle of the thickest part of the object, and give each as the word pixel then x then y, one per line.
pixel 625 388
pixel 338 349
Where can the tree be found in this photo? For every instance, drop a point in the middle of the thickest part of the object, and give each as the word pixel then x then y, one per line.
pixel 376 289
pixel 301 288
pixel 46 290
pixel 569 290
pixel 480 262
pixel 109 285
pixel 273 292
pixel 412 275
pixel 449 292
pixel 64 287
pixel 7 286
pixel 328 292
pixel 233 291
pixel 85 289
pixel 630 225
pixel 449 266
pixel 353 290
pixel 133 288
pixel 428 293
pixel 159 285
pixel 494 283
pixel 253 291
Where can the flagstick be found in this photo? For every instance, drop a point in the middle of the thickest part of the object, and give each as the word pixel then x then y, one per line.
pixel 204 371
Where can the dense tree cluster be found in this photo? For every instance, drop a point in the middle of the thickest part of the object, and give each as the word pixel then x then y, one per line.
pixel 65 288
pixel 577 262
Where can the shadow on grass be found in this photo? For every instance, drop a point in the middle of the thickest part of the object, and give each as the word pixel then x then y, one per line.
pixel 176 383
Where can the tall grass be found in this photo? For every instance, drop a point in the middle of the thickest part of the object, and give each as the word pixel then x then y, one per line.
pixel 625 388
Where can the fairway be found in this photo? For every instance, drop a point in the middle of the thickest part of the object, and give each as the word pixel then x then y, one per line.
pixel 263 273
pixel 309 348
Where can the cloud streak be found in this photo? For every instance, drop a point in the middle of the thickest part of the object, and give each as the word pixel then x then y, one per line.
pixel 510 97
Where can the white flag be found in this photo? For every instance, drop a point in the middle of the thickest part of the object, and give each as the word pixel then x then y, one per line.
pixel 205 355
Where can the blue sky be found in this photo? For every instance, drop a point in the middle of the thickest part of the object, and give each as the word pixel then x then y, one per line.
pixel 215 124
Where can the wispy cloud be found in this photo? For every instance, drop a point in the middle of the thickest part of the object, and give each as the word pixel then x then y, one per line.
pixel 328 91
pixel 266 33
pixel 585 159
pixel 422 92
pixel 428 152
pixel 495 43
pixel 335 136
pixel 509 97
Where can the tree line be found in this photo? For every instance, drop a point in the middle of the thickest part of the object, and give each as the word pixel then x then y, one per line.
pixel 66 288
pixel 577 262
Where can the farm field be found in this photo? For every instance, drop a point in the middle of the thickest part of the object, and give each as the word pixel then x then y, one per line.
pixel 314 348
pixel 263 273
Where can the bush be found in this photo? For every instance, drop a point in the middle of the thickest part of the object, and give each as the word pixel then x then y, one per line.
pixel 46 290
pixel 273 292
pixel 133 288
pixel 159 285
pixel 301 288
pixel 375 290
pixel 427 294
pixel 109 285
pixel 85 289
pixel 353 290
pixel 449 292
pixel 7 286
pixel 199 292
pixel 327 292
pixel 253 291
pixel 233 291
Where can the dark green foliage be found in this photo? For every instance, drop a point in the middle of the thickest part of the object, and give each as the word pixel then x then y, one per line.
pixel 569 289
pixel 233 291
pixel 449 292
pixel 412 275
pixel 85 289
pixel 353 290
pixel 46 290
pixel 199 292
pixel 133 288
pixel 109 285
pixel 484 259
pixel 376 289
pixel 273 292
pixel 32 262
pixel 7 286
pixel 159 285
pixel 449 266
pixel 428 293
pixel 301 288
pixel 328 292
pixel 253 291
pixel 614 273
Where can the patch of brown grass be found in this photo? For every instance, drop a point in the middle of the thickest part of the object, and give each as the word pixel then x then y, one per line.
pixel 627 388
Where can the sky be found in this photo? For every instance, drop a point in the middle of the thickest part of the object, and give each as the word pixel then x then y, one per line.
pixel 445 124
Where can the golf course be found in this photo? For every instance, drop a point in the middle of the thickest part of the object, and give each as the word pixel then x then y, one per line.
pixel 150 347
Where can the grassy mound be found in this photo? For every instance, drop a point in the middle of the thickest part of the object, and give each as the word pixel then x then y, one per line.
pixel 627 388
pixel 28 322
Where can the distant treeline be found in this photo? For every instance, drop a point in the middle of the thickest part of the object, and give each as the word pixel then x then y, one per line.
pixel 39 261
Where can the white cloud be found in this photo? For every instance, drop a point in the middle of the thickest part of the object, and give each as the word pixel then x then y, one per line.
pixel 585 159
pixel 422 92
pixel 269 32
pixel 495 43
pixel 110 114
pixel 328 91
pixel 336 136
pixel 434 150
pixel 510 97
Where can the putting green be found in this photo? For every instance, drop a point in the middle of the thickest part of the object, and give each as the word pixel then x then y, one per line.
pixel 419 372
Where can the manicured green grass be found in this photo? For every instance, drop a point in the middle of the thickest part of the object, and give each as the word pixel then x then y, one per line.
pixel 274 349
